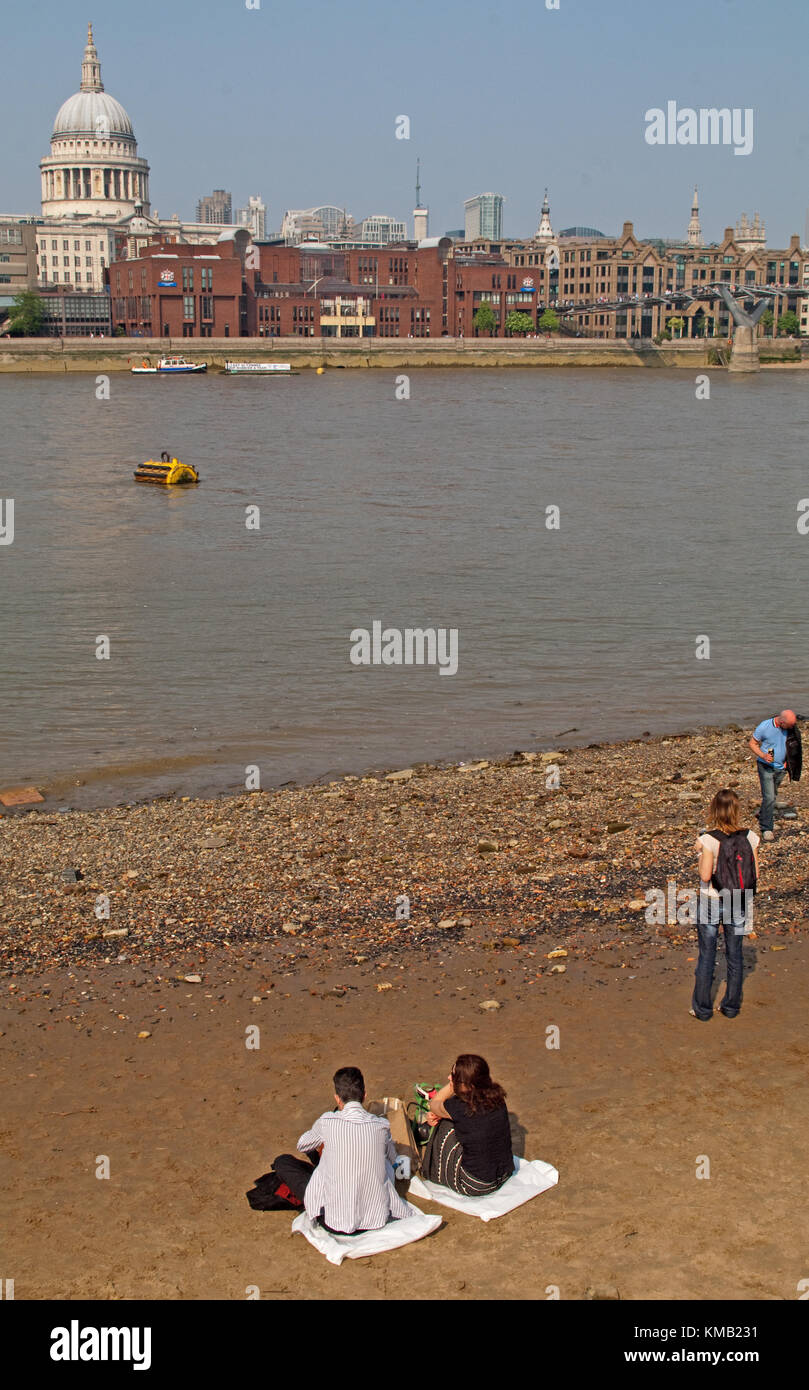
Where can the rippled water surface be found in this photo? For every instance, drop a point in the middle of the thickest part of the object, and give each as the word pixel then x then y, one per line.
pixel 230 646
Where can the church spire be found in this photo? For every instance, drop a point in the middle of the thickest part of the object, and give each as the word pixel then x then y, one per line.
pixel 545 230
pixel 91 68
pixel 694 229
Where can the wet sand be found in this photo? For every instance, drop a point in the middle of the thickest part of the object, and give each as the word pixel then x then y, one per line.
pixel 635 1098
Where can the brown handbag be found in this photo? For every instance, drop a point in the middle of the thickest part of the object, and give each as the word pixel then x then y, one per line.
pixel 393 1110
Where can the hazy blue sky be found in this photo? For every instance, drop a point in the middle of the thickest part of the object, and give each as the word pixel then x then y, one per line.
pixel 297 101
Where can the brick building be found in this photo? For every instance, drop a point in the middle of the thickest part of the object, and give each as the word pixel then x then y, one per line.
pixel 180 291
pixel 435 288
pixel 315 291
pixel 601 287
pixel 626 275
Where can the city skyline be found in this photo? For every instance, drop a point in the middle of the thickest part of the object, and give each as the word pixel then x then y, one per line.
pixel 245 134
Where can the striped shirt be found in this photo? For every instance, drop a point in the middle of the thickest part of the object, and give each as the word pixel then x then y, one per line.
pixel 353 1183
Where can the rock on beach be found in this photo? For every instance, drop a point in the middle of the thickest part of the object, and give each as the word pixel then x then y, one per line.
pixel 320 876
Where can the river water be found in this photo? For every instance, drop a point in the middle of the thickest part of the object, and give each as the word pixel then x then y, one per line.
pixel 229 646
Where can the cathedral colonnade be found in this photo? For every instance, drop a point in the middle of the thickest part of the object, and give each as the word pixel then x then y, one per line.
pixel 73 183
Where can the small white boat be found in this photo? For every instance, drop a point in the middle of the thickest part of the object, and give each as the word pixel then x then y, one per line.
pixel 259 369
pixel 169 365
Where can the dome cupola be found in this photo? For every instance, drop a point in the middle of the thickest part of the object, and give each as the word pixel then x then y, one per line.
pixel 91 112
pixel 93 169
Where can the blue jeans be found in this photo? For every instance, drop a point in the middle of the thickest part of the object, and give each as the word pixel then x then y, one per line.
pixel 770 779
pixel 712 915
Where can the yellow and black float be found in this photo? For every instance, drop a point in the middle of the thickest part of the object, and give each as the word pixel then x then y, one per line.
pixel 169 472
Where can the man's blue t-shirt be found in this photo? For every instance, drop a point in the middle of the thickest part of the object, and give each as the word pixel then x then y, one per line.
pixel 772 739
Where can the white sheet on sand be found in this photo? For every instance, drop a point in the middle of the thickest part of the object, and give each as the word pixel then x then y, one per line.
pixel 529 1180
pixel 390 1237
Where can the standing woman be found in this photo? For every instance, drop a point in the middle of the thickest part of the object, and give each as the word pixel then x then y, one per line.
pixel 469 1149
pixel 718 905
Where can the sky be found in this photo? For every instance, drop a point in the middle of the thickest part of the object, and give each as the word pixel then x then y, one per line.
pixel 298 102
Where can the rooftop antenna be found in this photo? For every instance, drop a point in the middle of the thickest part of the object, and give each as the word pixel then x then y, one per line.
pixel 420 212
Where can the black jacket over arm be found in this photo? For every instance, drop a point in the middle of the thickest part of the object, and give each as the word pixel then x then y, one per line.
pixel 794 754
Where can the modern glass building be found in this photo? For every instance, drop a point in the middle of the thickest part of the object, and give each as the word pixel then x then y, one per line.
pixel 483 217
pixel 75 315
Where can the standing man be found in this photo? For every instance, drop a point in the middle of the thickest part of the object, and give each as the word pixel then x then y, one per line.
pixel 769 743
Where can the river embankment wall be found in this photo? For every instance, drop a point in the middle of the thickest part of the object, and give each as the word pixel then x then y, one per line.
pixel 112 355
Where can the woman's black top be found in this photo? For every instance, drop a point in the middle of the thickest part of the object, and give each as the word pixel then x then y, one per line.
pixel 485 1137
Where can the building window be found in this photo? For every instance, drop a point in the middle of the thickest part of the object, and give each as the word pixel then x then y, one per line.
pixel 188 306
pixel 88 246
pixel 206 306
pixel 188 277
pixel 65 245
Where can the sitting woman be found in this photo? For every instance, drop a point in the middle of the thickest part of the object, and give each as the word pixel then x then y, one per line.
pixel 469 1149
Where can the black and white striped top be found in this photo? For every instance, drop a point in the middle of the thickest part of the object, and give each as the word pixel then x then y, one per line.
pixel 353 1182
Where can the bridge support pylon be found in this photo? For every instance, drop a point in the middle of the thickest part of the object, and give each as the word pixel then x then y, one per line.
pixel 744 352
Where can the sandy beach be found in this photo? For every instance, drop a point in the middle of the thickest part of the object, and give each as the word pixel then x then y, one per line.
pixel 284 905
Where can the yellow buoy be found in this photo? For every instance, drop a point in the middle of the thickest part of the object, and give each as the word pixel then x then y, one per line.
pixel 320 371
pixel 167 473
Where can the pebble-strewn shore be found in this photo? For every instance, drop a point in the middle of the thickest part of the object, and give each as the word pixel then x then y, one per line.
pixel 488 852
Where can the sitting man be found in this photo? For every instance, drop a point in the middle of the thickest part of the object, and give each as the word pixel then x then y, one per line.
pixel 351 1188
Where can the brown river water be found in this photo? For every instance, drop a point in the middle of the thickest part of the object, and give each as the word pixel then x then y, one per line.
pixel 230 646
